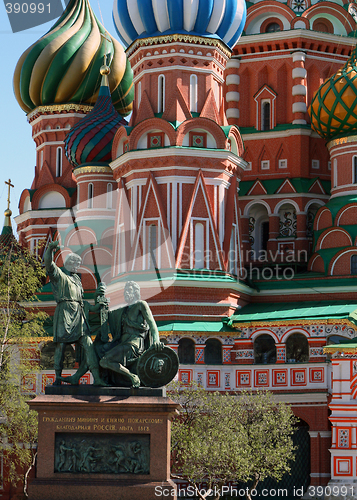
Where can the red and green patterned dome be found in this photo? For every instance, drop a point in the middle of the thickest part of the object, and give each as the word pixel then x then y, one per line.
pixel 63 66
pixel 333 109
pixel 91 139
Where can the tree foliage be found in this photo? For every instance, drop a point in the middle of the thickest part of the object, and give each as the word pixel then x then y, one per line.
pixel 218 438
pixel 21 275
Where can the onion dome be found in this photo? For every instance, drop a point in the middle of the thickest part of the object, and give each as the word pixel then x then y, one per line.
pixel 63 66
pixel 333 108
pixel 222 19
pixel 90 140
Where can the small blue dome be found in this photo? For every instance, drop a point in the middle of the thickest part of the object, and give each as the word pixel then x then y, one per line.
pixel 222 19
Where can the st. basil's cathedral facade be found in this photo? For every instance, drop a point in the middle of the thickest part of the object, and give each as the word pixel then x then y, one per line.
pixel 229 194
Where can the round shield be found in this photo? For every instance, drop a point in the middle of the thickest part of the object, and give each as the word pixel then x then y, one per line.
pixel 156 369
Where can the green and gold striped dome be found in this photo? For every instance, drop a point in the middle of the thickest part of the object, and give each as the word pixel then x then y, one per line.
pixel 63 66
pixel 333 109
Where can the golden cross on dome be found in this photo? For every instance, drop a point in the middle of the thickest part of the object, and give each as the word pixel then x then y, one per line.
pixel 8 194
pixel 106 36
pixel 107 39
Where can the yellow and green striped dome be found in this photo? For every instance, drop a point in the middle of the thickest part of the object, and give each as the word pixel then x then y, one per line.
pixel 333 109
pixel 63 66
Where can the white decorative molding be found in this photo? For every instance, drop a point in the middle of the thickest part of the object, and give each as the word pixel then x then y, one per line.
pixel 232 96
pixel 233 80
pixel 232 113
pixel 299 107
pixel 299 90
pixel 299 73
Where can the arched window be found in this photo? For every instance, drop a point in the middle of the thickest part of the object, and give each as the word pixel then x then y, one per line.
pixel 59 162
pixel 41 159
pixel 265 115
pixel 354 170
pixel 161 94
pixel 311 212
pixel 335 172
pixel 193 94
pixel 335 339
pixel 213 352
pixel 272 28
pixel 199 251
pixel 121 249
pixel 216 92
pixel 109 195
pixel 264 350
pixel 233 257
pixel 152 257
pixel 139 94
pixel 265 234
pixel 323 26
pixel 258 228
pixel 90 195
pixel 186 351
pixel 297 348
pixel 354 264
pixel 77 194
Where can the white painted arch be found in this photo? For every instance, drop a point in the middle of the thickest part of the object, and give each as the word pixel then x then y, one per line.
pixel 256 202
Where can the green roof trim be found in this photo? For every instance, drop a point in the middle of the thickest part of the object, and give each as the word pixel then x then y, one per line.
pixel 245 186
pixel 293 311
pixel 192 326
pixel 277 128
pixel 71 191
pixel 248 130
pixel 128 129
pixel 32 192
pixel 307 280
pixel 335 204
pixel 226 129
pixel 326 185
pixel 346 345
pixel 300 184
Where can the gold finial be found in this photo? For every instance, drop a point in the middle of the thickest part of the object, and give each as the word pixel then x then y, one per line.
pixel 8 194
pixel 105 70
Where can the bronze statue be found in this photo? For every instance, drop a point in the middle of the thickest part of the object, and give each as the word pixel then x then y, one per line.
pixel 69 319
pixel 134 331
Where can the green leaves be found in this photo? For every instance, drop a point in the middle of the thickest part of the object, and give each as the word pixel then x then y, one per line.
pixel 218 438
pixel 21 275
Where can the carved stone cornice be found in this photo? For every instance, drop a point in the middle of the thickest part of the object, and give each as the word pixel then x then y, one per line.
pixel 199 40
pixel 59 108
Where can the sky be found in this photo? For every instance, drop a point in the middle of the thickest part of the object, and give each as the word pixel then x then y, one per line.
pixel 17 149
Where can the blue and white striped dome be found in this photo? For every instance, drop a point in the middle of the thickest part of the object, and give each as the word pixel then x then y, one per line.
pixel 222 19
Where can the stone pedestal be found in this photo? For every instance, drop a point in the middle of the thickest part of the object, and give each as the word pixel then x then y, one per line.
pixel 102 443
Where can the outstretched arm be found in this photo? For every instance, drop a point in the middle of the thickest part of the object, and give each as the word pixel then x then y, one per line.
pixel 48 257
